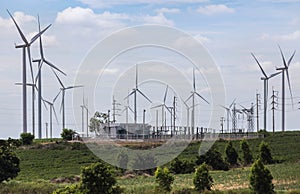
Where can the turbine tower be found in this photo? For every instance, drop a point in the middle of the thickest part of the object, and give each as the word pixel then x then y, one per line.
pixel 285 69
pixel 26 46
pixel 266 89
pixel 38 79
pixel 52 109
pixel 134 91
pixel 194 92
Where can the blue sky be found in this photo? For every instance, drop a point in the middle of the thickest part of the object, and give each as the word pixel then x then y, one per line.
pixel 230 30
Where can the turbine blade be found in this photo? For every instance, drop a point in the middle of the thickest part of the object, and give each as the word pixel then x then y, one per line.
pixel 243 106
pixel 18 28
pixel 55 115
pixel 60 82
pixel 136 76
pixel 130 94
pixel 157 106
pixel 53 66
pixel 189 97
pixel 56 96
pixel 72 87
pixel 194 81
pixel 262 70
pixel 224 107
pixel 232 103
pixel 283 59
pixel 202 97
pixel 41 45
pixel 144 95
pixel 166 92
pixel 290 60
pixel 39 34
pixel 274 74
pixel 39 70
pixel 167 108
pixel 44 102
pixel 290 88
pixel 30 63
pixel 130 109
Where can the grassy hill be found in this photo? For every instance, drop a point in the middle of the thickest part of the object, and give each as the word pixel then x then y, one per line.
pixel 43 162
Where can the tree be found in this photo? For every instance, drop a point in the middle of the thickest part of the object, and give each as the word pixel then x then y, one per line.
pixel 26 138
pixel 164 178
pixel 265 153
pixel 96 121
pixel 231 154
pixel 182 166
pixel 261 179
pixel 67 134
pixel 247 155
pixel 202 179
pixel 9 164
pixel 97 178
pixel 213 158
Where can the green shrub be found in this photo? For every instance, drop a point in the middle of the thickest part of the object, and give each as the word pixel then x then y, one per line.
pixel 143 163
pixel 69 189
pixel 9 164
pixel 67 134
pixel 231 154
pixel 164 178
pixel 261 179
pixel 182 166
pixel 265 153
pixel 26 138
pixel 247 155
pixel 202 179
pixel 214 159
pixel 97 178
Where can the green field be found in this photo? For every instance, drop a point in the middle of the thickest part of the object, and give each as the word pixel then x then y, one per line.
pixel 43 162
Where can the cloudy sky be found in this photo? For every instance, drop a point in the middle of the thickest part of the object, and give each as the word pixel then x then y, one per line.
pixel 229 30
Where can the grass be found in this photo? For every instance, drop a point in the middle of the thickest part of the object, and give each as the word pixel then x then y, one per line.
pixel 45 160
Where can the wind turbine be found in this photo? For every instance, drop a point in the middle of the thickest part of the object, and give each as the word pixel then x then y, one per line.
pixel 228 113
pixel 163 106
pixel 283 69
pixel 188 115
pixel 63 90
pixel 84 106
pixel 127 107
pixel 134 91
pixel 51 107
pixel 266 89
pixel 26 46
pixel 194 92
pixel 38 78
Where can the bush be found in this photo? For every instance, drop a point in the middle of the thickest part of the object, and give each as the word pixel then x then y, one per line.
pixel 69 189
pixel 26 138
pixel 67 134
pixel 202 179
pixel 182 167
pixel 261 179
pixel 164 178
pixel 9 164
pixel 231 154
pixel 213 158
pixel 97 178
pixel 265 153
pixel 143 162
pixel 247 155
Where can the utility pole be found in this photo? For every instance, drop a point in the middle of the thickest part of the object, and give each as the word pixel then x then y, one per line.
pixel 274 102
pixel 115 109
pixel 257 111
pixel 222 124
pixel 234 124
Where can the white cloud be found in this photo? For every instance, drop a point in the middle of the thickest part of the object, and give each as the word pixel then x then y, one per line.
pixel 215 9
pixel 285 37
pixel 105 3
pixel 86 17
pixel 167 10
pixel 157 19
pixel 20 17
pixel 201 38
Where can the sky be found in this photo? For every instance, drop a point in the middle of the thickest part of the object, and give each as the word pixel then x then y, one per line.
pixel 229 30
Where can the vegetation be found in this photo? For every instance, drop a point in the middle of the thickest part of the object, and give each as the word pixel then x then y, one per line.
pixel 265 153
pixel 261 179
pixel 214 159
pixel 123 160
pixel 247 155
pixel 231 154
pixel 164 178
pixel 178 166
pixel 202 179
pixel 67 134
pixel 46 161
pixel 26 138
pixel 9 163
pixel 97 178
